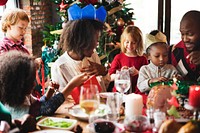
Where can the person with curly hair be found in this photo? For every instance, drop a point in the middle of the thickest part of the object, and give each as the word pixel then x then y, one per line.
pixel 17 80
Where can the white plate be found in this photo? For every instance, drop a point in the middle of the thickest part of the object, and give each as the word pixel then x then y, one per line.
pixel 78 113
pixel 56 119
pixel 53 131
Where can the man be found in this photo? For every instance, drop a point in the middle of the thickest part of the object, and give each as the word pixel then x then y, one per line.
pixel 185 55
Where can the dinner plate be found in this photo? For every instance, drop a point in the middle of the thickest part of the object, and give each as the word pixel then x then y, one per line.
pixel 53 131
pixel 78 113
pixel 57 123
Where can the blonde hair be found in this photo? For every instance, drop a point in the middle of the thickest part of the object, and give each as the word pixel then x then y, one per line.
pixel 136 34
pixel 11 17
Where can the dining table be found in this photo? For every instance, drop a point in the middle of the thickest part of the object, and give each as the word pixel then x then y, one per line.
pixel 63 112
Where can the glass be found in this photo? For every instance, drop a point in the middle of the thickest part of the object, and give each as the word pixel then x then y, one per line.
pixel 114 103
pixel 122 81
pixel 89 99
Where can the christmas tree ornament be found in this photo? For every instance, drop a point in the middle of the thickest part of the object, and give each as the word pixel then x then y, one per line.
pixel 63 6
pixel 120 22
pixel 3 2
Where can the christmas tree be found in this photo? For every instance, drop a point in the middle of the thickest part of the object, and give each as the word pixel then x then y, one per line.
pixel 118 16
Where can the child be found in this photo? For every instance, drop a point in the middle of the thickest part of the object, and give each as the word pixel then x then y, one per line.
pixel 157 70
pixel 14 24
pixel 17 72
pixel 131 56
pixel 79 48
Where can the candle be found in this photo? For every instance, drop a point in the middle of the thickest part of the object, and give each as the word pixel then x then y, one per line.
pixel 194 96
pixel 133 105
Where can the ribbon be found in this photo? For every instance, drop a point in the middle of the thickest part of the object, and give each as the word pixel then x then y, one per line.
pixel 43 78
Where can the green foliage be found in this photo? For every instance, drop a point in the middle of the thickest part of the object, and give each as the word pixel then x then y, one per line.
pixel 119 16
pixel 49 38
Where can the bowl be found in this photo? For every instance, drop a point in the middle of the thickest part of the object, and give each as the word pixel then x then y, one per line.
pixel 57 123
pixel 138 123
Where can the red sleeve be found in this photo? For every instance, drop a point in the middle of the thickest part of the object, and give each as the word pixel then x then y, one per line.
pixel 115 65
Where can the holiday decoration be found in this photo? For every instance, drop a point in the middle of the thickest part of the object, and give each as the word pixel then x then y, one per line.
pixel 63 6
pixel 3 2
pixel 118 16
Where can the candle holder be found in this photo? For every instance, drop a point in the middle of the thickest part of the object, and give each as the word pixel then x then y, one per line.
pixel 195 111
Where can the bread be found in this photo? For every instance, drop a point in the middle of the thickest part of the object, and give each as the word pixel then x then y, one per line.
pixel 169 126
pixel 190 127
pixel 157 98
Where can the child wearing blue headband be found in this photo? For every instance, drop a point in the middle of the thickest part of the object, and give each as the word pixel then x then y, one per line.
pixel 79 40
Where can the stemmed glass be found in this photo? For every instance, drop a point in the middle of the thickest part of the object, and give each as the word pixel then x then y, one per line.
pixel 89 99
pixel 122 81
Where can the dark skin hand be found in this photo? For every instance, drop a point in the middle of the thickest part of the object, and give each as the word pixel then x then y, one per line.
pixel 194 57
pixel 94 69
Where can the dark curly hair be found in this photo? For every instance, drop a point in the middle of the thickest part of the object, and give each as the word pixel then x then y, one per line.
pixel 80 35
pixel 17 77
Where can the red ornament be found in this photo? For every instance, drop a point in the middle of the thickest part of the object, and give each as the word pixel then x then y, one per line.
pixel 63 6
pixel 3 2
pixel 120 22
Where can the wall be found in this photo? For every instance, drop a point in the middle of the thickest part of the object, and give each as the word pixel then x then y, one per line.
pixel 40 13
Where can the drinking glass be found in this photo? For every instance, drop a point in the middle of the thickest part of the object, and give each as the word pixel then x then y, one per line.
pixel 114 102
pixel 122 81
pixel 89 99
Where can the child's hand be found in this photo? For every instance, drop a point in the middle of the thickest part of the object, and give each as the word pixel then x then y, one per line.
pixel 53 87
pixel 133 71
pixel 78 80
pixel 124 68
pixel 159 79
pixel 94 69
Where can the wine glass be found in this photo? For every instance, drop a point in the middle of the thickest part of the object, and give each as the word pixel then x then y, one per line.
pixel 89 99
pixel 122 81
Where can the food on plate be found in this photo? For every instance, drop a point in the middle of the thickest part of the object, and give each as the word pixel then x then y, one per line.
pixel 190 127
pixel 169 126
pixel 158 96
pixel 104 127
pixel 61 124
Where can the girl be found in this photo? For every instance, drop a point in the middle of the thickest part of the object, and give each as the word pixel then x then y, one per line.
pixel 17 72
pixel 131 56
pixel 157 70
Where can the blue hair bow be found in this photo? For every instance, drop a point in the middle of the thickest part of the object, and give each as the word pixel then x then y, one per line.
pixel 88 12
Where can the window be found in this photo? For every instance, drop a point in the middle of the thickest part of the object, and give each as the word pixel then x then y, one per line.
pixel 146 15
pixel 9 5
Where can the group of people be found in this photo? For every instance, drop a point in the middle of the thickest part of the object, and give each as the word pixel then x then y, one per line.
pixel 79 61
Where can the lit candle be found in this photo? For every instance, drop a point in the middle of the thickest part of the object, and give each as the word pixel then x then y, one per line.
pixel 194 96
pixel 133 104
